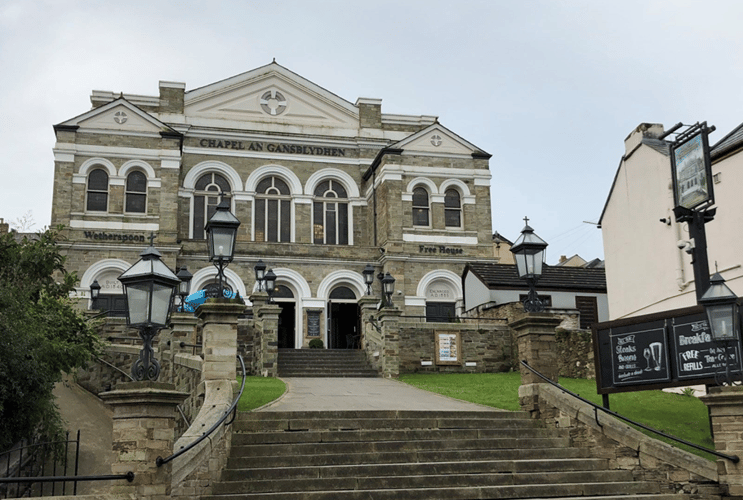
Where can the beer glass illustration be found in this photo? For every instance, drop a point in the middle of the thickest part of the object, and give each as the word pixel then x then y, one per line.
pixel 646 355
pixel 655 351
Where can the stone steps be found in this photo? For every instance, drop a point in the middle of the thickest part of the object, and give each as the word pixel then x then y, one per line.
pixel 415 455
pixel 324 363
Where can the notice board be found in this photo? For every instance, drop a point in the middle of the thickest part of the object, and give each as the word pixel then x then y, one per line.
pixel 668 349
pixel 448 348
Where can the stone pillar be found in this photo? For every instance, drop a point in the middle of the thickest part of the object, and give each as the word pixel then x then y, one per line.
pixel 183 329
pixel 726 413
pixel 268 318
pixel 371 339
pixel 535 335
pixel 389 319
pixel 144 416
pixel 219 317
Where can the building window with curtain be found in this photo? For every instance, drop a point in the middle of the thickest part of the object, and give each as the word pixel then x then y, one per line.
pixel 205 200
pixel 421 208
pixel 452 208
pixel 97 196
pixel 330 214
pixel 136 193
pixel 273 210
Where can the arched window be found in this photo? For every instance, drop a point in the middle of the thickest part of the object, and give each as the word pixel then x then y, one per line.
pixel 272 210
pixel 330 214
pixel 205 200
pixel 420 207
pixel 97 199
pixel 452 208
pixel 136 193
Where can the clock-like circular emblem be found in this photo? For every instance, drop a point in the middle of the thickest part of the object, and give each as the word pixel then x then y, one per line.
pixel 120 117
pixel 436 140
pixel 273 102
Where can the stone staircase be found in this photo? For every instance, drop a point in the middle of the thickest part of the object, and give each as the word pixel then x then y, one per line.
pixel 412 455
pixel 324 363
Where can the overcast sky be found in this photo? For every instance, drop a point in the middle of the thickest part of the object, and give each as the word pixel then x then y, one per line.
pixel 549 88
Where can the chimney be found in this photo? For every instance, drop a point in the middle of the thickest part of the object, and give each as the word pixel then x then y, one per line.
pixel 171 97
pixel 4 227
pixel 650 130
pixel 370 112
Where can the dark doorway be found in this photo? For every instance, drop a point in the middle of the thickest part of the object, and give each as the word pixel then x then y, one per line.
pixel 286 325
pixel 343 319
pixel 114 304
pixel 440 312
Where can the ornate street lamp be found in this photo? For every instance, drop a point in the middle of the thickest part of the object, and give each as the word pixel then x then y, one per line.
pixel 528 251
pixel 270 279
pixel 95 291
pixel 368 273
pixel 721 305
pixel 388 285
pixel 260 274
pixel 149 286
pixel 221 231
pixel 184 287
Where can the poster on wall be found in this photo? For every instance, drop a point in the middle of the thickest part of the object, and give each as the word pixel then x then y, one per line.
pixel 448 348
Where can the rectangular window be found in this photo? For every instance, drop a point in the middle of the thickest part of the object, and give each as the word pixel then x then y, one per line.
pixel 286 225
pixel 343 224
pixel 97 202
pixel 260 220
pixel 136 203
pixel 273 220
pixel 452 218
pixel 420 217
pixel 330 224
pixel 317 224
pixel 589 312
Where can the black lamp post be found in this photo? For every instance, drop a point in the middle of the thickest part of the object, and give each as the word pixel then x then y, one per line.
pixel 368 273
pixel 95 291
pixel 184 287
pixel 528 251
pixel 388 285
pixel 260 274
pixel 149 286
pixel 721 305
pixel 221 230
pixel 270 279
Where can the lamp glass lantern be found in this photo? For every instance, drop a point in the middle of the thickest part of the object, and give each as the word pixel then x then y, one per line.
pixel 270 278
pixel 184 287
pixel 388 285
pixel 368 273
pixel 221 230
pixel 529 253
pixel 95 290
pixel 260 273
pixel 149 287
pixel 721 305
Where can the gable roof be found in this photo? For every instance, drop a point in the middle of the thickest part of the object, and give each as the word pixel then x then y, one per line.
pixel 109 117
pixel 727 144
pixel 505 277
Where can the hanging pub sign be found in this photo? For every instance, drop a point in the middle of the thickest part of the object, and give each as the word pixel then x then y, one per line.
pixel 691 168
pixel 668 349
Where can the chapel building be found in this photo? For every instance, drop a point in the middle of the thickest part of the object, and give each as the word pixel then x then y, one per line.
pixel 322 187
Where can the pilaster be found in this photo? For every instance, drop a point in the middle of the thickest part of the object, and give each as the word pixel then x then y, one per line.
pixel 389 319
pixel 726 414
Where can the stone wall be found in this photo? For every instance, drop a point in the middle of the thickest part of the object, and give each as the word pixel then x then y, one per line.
pixel 677 471
pixel 485 348
pixel 574 346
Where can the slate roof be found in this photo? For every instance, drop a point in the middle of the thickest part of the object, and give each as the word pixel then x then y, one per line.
pixel 728 143
pixel 505 277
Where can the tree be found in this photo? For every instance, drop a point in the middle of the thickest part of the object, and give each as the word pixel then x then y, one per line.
pixel 42 335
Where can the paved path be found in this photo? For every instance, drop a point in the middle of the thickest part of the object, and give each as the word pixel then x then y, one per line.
pixel 362 394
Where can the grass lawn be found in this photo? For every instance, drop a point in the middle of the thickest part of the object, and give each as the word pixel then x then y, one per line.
pixel 679 415
pixel 259 391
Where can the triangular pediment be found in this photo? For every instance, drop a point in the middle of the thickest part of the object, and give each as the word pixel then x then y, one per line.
pixel 271 94
pixel 437 139
pixel 119 115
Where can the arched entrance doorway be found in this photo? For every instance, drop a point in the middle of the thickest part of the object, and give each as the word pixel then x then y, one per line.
pixel 344 326
pixel 284 298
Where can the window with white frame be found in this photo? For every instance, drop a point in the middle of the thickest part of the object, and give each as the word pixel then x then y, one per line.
pixel 452 208
pixel 97 195
pixel 136 193
pixel 330 214
pixel 421 208
pixel 273 210
pixel 205 200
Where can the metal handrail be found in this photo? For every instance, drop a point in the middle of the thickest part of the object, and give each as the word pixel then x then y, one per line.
pixel 111 365
pixel 733 458
pixel 233 408
pixel 129 476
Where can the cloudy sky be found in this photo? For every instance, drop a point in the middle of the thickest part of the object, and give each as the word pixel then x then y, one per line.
pixel 549 88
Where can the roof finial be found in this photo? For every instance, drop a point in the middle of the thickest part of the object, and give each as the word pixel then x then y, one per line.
pixel 274 60
pixel 526 221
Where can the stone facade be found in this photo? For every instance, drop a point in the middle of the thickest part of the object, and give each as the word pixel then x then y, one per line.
pixel 326 160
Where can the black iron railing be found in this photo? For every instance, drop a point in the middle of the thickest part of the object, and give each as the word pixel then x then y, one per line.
pixel 232 410
pixel 24 463
pixel 733 458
